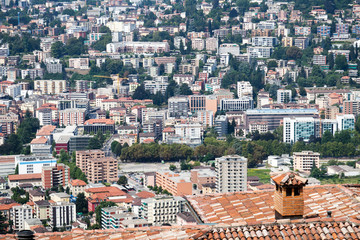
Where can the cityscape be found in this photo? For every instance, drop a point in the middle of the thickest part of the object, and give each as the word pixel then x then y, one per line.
pixel 179 119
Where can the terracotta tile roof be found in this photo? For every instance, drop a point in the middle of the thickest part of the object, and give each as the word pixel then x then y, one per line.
pixel 145 194
pixel 99 121
pixel 297 231
pixel 4 207
pixel 40 140
pixel 77 182
pixel 24 176
pixel 258 206
pixel 46 130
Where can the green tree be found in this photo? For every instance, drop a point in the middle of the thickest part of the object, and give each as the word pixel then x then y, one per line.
pixel 294 53
pixel 341 62
pixel 141 93
pixel 57 49
pixel 185 89
pixel 81 203
pixel 122 180
pixel 172 167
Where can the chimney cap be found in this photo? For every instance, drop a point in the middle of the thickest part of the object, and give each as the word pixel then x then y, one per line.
pixel 289 179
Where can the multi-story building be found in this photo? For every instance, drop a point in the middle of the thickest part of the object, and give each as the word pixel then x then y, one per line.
pixel 261 127
pixel 264 41
pixel 337 52
pixel 58 175
pixel 162 210
pixel 319 60
pixel 342 28
pixel 50 86
pixel 260 52
pixel 231 174
pixel 95 125
pixel 244 89
pixel 42 209
pixel 240 104
pixel 211 44
pixel 302 42
pixel 77 186
pixel 274 117
pixel 287 41
pixel 138 47
pixel 96 166
pixel 79 143
pixel 79 63
pixel 300 128
pixel 284 96
pixel 221 125
pixel 352 107
pixel 305 160
pixel 53 65
pixel 303 31
pixel 345 122
pixel 45 116
pixel 28 164
pixel 18 214
pixel 197 44
pixel 178 106
pixel 203 176
pixel 119 217
pixel 72 116
pixel 178 184
pixel 227 48
pixel 324 31
pixel 62 214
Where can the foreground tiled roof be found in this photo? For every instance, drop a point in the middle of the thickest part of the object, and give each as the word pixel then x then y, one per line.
pixel 281 230
pixel 294 231
pixel 258 206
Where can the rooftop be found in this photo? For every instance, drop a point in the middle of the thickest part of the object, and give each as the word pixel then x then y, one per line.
pixel 30 176
pixel 258 206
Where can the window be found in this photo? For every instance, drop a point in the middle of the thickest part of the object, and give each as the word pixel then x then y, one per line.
pixel 296 191
pixel 288 191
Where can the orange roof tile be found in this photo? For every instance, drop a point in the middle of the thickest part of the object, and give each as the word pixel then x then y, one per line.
pixel 40 140
pixel 145 194
pixel 24 176
pixel 258 206
pixel 99 121
pixel 77 182
pixel 4 207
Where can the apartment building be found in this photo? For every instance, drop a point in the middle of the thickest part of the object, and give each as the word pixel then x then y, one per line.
pixel 305 160
pixel 203 176
pixel 42 209
pixel 260 52
pixel 50 86
pixel 58 175
pixel 62 214
pixel 162 210
pixel 264 41
pixel 77 186
pixel 319 60
pixel 95 125
pixel 231 173
pixel 72 116
pixel 303 31
pixel 119 217
pixel 178 184
pixel 324 31
pixel 96 166
pixel 79 63
pixel 284 96
pixel 244 89
pixel 138 47
pixel 197 44
pixel 178 106
pixel 18 214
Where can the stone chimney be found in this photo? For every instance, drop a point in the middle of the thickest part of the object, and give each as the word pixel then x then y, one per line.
pixel 289 195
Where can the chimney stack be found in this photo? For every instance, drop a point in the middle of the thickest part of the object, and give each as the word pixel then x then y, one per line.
pixel 289 197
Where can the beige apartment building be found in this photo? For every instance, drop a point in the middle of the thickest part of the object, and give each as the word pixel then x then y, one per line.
pixel 303 161
pixel 178 184
pixel 96 166
pixel 50 86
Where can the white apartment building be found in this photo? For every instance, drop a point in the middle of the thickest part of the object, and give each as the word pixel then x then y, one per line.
pixel 18 214
pixel 197 44
pixel 50 86
pixel 260 52
pixel 284 96
pixel 79 63
pixel 231 48
pixel 160 210
pixel 190 133
pixel 240 104
pixel 138 47
pixel 231 173
pixel 34 163
pixel 304 161
pixel 244 89
pixel 159 84
pixel 14 90
pixel 62 214
pixel 44 116
pixel 264 41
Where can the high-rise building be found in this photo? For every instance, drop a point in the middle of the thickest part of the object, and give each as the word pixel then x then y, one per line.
pixel 96 166
pixel 284 95
pixel 18 214
pixel 72 116
pixel 50 86
pixel 160 210
pixel 62 214
pixel 58 175
pixel 28 164
pixel 178 106
pixel 221 125
pixel 305 160
pixel 240 104
pixel 244 89
pixel 231 173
